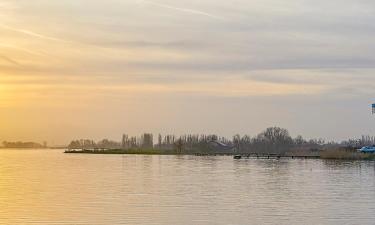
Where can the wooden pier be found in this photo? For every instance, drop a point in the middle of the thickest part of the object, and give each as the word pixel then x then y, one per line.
pixel 273 156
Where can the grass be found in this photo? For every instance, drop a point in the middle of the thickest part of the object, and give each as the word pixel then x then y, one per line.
pixel 344 154
pixel 339 154
pixel 142 151
pixel 124 151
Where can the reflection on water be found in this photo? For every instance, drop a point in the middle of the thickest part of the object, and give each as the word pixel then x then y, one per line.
pixel 48 187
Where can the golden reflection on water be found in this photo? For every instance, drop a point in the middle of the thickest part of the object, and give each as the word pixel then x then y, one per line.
pixel 48 187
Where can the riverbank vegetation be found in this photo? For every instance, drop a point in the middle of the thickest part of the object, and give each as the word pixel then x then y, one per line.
pixel 273 140
pixel 346 154
pixel 138 151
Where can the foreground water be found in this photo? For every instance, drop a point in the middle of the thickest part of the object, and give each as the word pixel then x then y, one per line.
pixel 49 187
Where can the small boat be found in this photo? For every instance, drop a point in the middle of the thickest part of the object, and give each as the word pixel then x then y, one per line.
pixel 367 149
pixel 237 157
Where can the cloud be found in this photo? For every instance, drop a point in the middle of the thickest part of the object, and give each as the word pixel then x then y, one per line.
pixel 267 62
pixel 182 45
pixel 32 52
pixel 9 60
pixel 185 10
pixel 32 34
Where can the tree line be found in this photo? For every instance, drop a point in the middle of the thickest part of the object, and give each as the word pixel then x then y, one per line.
pixel 271 140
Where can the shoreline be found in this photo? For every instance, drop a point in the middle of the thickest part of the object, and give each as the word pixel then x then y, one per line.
pixel 335 154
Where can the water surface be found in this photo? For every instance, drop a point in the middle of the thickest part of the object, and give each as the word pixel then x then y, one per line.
pixel 49 187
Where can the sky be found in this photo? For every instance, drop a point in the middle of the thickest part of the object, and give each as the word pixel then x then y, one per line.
pixel 97 69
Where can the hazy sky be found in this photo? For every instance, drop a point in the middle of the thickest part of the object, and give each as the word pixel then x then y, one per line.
pixel 94 69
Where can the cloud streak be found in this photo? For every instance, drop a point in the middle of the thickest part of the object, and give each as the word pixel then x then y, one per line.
pixel 32 34
pixel 185 10
pixel 9 60
pixel 2 45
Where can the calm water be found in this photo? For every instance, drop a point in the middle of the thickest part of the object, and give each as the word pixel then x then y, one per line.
pixel 48 187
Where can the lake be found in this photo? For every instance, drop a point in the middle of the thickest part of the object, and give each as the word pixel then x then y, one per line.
pixel 49 187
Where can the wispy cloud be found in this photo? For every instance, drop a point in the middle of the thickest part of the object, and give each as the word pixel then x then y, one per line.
pixel 9 60
pixel 32 34
pixel 31 52
pixel 185 10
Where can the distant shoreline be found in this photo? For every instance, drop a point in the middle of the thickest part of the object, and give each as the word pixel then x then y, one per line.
pixel 24 148
pixel 127 151
pixel 333 154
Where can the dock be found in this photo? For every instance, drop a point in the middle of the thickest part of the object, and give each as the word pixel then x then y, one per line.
pixel 273 156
